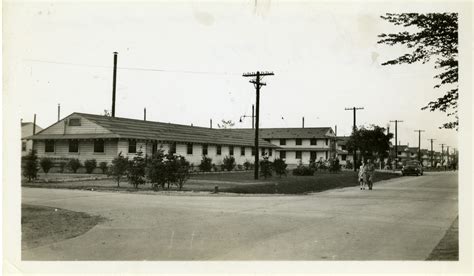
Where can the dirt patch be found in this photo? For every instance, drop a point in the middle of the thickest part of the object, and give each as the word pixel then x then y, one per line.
pixel 42 225
pixel 448 248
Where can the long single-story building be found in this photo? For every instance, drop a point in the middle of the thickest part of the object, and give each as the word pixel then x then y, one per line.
pixel 86 136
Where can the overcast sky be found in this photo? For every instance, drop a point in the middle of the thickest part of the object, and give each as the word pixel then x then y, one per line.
pixel 184 63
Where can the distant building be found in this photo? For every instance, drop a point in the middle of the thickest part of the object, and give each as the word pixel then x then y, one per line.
pixel 27 130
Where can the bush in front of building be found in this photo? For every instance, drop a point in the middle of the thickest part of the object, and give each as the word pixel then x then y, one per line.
pixel 136 170
pixel 334 165
pixel 118 168
pixel 90 165
pixel 74 164
pixel 229 163
pixel 103 166
pixel 302 170
pixel 30 167
pixel 279 166
pixel 182 171
pixel 62 165
pixel 266 167
pixel 156 170
pixel 248 165
pixel 349 165
pixel 46 164
pixel 206 164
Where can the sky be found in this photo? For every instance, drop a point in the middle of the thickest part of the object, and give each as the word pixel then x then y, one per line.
pixel 183 62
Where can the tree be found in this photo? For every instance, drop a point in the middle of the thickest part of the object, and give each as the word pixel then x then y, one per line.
pixel 279 166
pixel 182 172
pixel 30 167
pixel 436 37
pixel 136 170
pixel 229 163
pixel 46 164
pixel 156 171
pixel 226 124
pixel 118 168
pixel 74 164
pixel 90 165
pixel 206 164
pixel 103 166
pixel 371 142
pixel 265 167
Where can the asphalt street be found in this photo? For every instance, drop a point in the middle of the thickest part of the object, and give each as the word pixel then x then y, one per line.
pixel 401 219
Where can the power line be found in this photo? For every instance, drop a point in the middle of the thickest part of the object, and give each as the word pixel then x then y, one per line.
pixel 134 68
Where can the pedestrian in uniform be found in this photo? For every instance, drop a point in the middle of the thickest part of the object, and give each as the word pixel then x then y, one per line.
pixel 369 173
pixel 362 176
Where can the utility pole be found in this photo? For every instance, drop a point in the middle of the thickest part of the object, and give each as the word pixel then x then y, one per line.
pixel 442 153
pixel 34 124
pixel 396 140
pixel 431 140
pixel 114 83
pixel 419 143
pixel 302 121
pixel 257 83
pixel 144 114
pixel 354 128
pixel 447 156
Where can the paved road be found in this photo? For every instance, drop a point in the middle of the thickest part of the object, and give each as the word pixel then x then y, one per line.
pixel 401 219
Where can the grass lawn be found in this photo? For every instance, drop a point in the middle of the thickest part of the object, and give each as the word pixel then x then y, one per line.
pixel 235 182
pixel 42 225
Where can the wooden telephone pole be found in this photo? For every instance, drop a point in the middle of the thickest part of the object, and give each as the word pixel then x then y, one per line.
pixel 419 143
pixel 257 83
pixel 396 140
pixel 354 128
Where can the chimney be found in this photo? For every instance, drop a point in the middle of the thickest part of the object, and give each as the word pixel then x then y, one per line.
pixel 59 112
pixel 210 121
pixel 34 125
pixel 302 119
pixel 114 84
pixel 335 130
pixel 144 114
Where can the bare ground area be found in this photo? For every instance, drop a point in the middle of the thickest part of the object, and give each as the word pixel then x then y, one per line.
pixel 42 225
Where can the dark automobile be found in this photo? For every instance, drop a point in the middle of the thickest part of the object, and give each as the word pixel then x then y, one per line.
pixel 412 167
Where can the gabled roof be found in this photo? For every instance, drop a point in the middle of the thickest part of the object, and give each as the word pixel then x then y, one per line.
pixel 148 130
pixel 289 133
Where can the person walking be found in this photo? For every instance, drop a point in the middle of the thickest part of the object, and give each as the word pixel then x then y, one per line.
pixel 362 182
pixel 369 173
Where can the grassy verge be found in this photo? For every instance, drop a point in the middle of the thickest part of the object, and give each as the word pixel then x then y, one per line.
pixel 42 225
pixel 448 248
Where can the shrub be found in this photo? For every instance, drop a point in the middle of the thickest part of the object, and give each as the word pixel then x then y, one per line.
pixel 136 170
pixel 334 165
pixel 279 166
pixel 62 165
pixel 248 165
pixel 229 163
pixel 90 165
pixel 176 170
pixel 103 166
pixel 265 167
pixel 46 164
pixel 320 165
pixel 74 164
pixel 206 164
pixel 349 164
pixel 30 169
pixel 303 171
pixel 156 171
pixel 118 168
pixel 182 172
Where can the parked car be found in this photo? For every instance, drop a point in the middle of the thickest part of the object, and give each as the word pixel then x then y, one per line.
pixel 412 167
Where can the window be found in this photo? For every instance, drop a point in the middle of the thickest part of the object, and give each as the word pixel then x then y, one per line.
pixel 313 142
pixel 312 156
pixel 253 151
pixel 263 151
pixel 399 153
pixel 327 141
pixel 189 149
pixel 73 146
pixel 282 142
pixel 270 152
pixel 298 142
pixel 154 148
pixel 49 146
pixel 74 122
pixel 282 154
pixel 242 151
pixel 132 146
pixel 99 145
pixel 343 157
pixel 23 146
pixel 343 147
pixel 172 149
pixel 298 154
pixel 231 150
pixel 204 149
pixel 219 150
pixel 326 155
